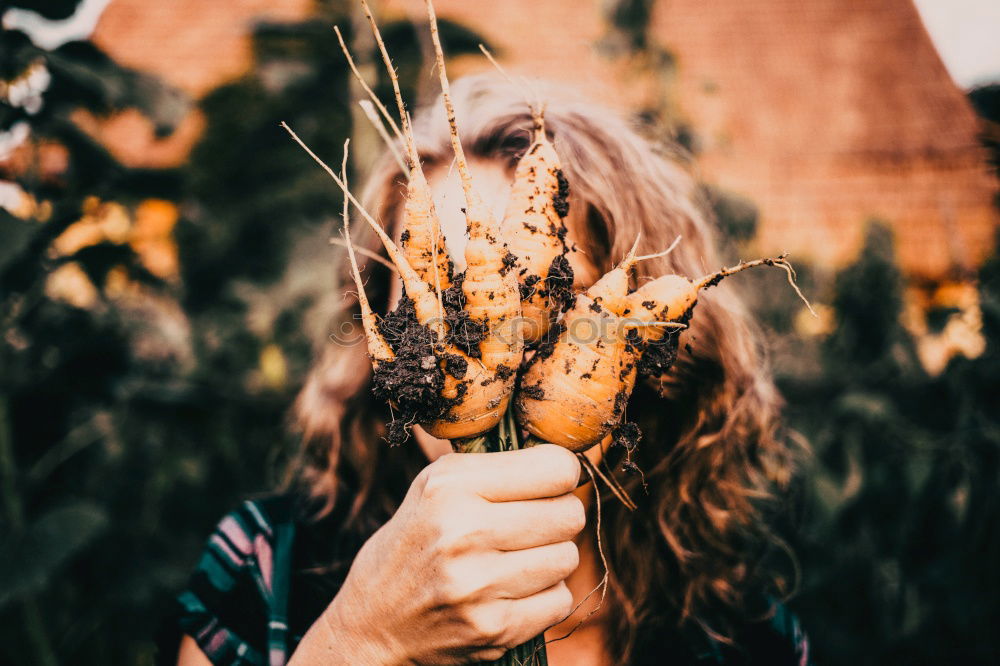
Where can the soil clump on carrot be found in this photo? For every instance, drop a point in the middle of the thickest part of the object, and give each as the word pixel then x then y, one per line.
pixel 414 379
pixel 658 356
pixel 463 331
pixel 560 284
pixel 560 200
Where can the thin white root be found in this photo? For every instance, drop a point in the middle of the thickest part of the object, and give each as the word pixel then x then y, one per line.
pixel 664 253
pixel 537 110
pixel 613 479
pixel 630 258
pixel 377 347
pixel 603 584
pixel 410 143
pixel 402 265
pixel 369 110
pixel 616 488
pixel 791 280
pixel 346 215
pixel 364 252
pixel 364 84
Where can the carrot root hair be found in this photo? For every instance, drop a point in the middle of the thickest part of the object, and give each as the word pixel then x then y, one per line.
pixel 377 346
pixel 369 110
pixel 364 252
pixel 663 253
pixel 364 84
pixel 411 146
pixel 780 261
pixel 536 107
pixel 460 161
pixel 602 585
pixel 402 265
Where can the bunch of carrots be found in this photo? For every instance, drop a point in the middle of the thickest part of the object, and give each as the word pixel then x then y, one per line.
pixel 461 347
pixel 506 345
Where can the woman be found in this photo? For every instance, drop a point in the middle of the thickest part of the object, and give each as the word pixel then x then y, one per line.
pixel 384 556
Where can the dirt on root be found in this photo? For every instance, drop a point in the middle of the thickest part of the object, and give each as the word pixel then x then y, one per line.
pixel 527 286
pixel 659 356
pixel 560 200
pixel 535 392
pixel 559 282
pixel 547 344
pixel 509 261
pixel 464 332
pixel 627 435
pixel 414 379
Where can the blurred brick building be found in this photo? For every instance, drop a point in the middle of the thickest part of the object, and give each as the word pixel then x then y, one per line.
pixel 825 114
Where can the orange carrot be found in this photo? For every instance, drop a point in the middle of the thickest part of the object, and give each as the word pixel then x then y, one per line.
pixel 422 239
pixel 430 381
pixel 490 289
pixel 577 392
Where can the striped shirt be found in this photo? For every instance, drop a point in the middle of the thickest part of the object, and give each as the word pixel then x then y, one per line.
pixel 253 595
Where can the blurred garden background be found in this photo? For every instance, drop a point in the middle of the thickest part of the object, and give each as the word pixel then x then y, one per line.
pixel 165 279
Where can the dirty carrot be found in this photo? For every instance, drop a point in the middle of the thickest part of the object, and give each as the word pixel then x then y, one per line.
pixel 534 227
pixel 428 379
pixel 422 239
pixel 575 389
pixel 489 287
pixel 564 401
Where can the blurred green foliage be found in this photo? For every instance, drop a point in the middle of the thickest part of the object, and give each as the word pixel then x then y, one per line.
pixel 897 532
pixel 128 426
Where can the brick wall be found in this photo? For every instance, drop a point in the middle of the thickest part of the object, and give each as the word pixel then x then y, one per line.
pixel 825 113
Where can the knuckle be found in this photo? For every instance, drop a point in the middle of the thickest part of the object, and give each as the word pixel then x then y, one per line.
pixel 458 585
pixel 453 538
pixel 455 542
pixel 437 484
pixel 493 654
pixel 450 587
pixel 486 623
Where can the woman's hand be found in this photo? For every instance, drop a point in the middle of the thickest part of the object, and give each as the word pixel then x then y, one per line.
pixel 473 563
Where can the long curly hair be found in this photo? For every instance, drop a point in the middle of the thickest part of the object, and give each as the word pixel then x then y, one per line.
pixel 710 458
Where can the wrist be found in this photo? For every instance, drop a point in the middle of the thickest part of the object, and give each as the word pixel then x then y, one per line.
pixel 336 640
pixel 360 641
